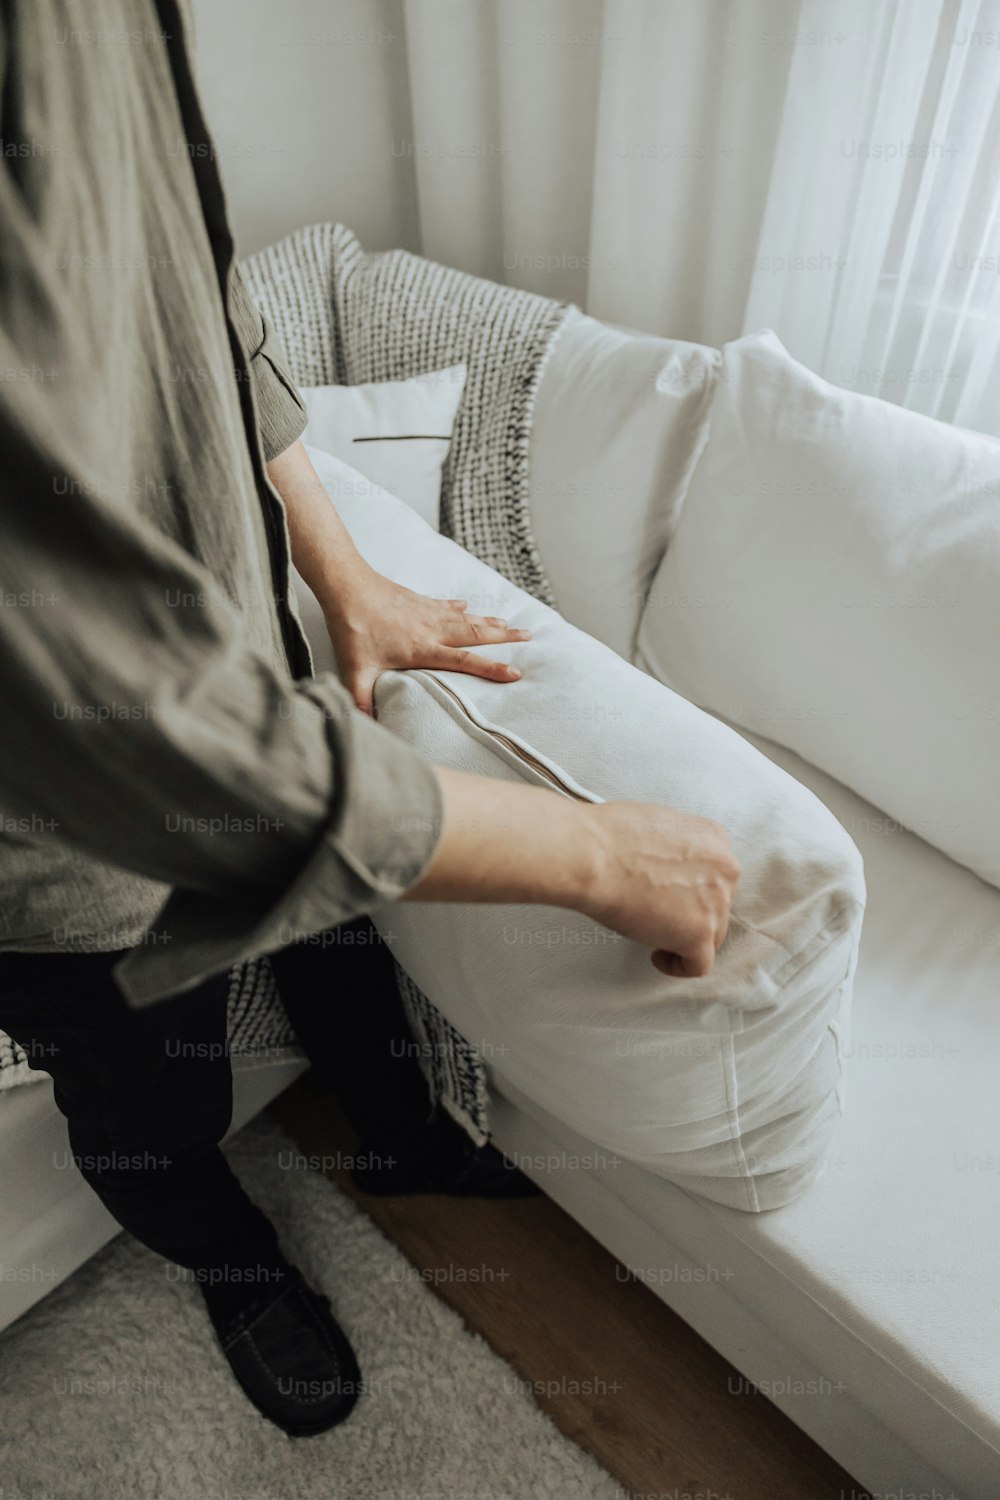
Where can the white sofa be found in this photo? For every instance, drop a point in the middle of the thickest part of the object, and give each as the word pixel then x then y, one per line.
pixel 867 1309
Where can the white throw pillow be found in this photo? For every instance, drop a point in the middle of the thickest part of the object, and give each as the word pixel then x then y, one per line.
pixel 618 424
pixel 726 1084
pixel 395 432
pixel 834 585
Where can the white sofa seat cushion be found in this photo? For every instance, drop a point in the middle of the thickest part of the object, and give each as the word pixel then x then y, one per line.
pixel 834 585
pixel 728 1083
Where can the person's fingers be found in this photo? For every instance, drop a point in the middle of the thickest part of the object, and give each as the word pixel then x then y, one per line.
pixel 699 963
pixel 361 687
pixel 694 964
pixel 482 630
pixel 461 605
pixel 720 919
pixel 463 660
pixel 729 896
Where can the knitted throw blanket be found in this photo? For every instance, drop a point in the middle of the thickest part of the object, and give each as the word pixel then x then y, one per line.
pixel 346 317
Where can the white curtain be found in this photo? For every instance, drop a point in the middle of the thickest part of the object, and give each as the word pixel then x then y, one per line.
pixel 701 168
pixel 893 193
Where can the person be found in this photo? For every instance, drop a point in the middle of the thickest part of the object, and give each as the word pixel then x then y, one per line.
pixel 177 791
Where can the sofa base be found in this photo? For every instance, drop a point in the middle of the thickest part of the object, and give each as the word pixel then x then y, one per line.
pixel 856 1407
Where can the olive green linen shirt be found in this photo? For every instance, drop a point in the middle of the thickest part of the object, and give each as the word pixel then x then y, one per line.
pixel 172 780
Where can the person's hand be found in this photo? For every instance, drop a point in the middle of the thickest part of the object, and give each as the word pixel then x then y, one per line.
pixel 376 625
pixel 659 876
pixel 665 878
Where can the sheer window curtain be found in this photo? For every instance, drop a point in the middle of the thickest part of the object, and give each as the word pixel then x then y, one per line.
pixel 703 168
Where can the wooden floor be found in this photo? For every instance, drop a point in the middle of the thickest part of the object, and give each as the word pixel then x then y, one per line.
pixel 617 1370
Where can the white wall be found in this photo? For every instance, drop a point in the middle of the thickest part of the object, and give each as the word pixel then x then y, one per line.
pixel 306 99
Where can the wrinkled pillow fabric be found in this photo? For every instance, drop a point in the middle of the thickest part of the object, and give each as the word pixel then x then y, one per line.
pixel 727 1084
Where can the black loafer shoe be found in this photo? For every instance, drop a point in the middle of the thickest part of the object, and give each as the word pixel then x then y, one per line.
pixel 293 1360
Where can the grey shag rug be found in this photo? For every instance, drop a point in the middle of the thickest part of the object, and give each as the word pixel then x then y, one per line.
pixel 113 1387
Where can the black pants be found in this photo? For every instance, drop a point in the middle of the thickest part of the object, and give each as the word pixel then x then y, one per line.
pixel 148 1094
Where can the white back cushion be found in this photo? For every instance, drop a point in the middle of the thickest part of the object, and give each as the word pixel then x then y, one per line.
pixel 728 1083
pixel 618 424
pixel 395 432
pixel 834 585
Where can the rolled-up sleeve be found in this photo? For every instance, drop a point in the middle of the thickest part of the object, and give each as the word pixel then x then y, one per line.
pixel 152 737
pixel 281 416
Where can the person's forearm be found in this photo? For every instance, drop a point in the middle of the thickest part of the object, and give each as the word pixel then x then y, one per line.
pixel 657 875
pixel 321 545
pixel 505 842
pixel 663 877
pixel 540 848
pixel 376 625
